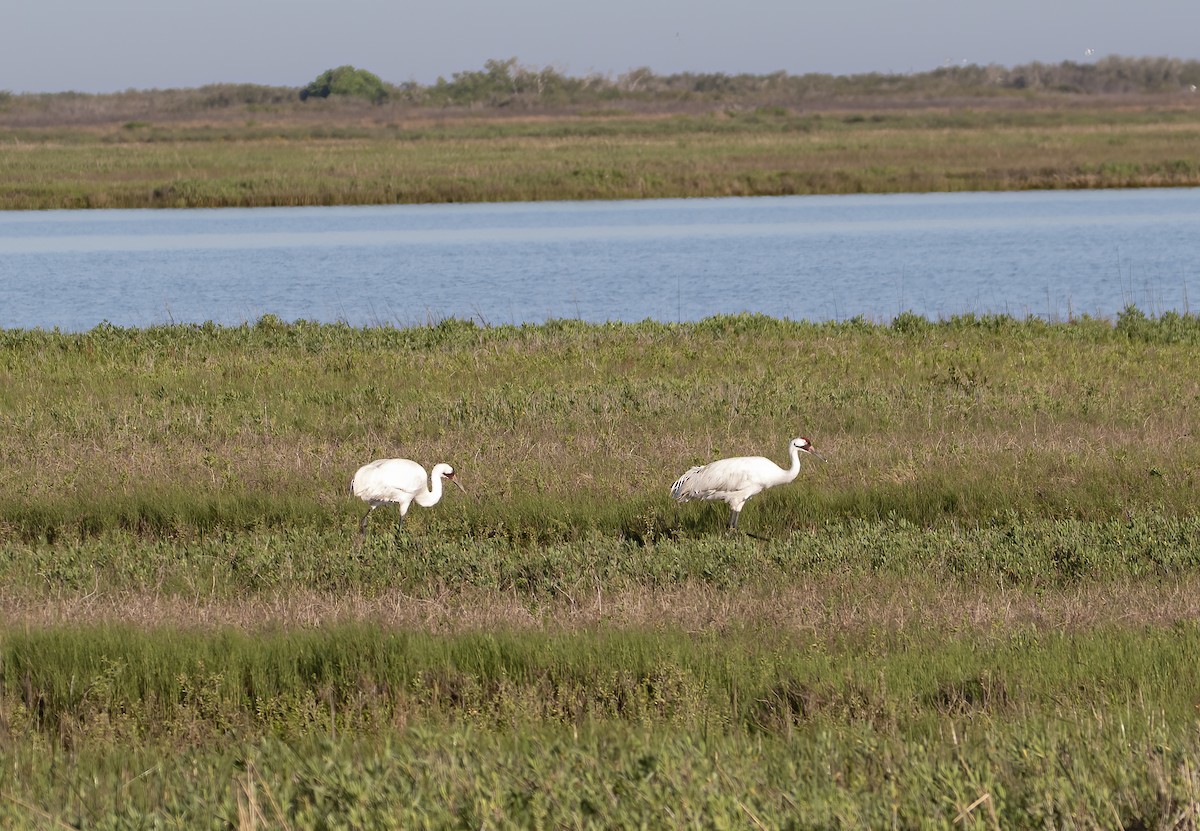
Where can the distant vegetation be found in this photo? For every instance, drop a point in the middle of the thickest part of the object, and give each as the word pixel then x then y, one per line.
pixel 346 80
pixel 498 135
pixel 508 84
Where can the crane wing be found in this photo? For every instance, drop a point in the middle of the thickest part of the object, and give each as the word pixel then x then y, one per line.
pixel 388 480
pixel 725 476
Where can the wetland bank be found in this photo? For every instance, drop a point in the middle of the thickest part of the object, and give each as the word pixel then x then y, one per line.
pixel 979 612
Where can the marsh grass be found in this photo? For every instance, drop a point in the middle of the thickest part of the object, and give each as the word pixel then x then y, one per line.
pixel 466 778
pixel 564 430
pixel 147 684
pixel 501 730
pixel 1007 552
pixel 910 148
pixel 980 610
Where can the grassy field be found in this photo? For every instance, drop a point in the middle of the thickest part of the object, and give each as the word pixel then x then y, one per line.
pixel 281 156
pixel 980 611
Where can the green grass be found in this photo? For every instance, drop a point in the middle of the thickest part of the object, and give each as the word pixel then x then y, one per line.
pixel 1006 551
pixel 609 728
pixel 978 612
pixel 147 683
pixel 566 429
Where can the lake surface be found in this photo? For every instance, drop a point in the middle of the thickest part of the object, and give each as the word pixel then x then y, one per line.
pixel 1048 254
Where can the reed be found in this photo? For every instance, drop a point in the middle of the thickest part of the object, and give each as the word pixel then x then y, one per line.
pixel 159 681
pixel 604 730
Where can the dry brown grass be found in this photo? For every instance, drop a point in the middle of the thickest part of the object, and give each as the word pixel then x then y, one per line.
pixel 819 607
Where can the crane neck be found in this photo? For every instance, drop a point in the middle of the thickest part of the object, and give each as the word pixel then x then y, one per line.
pixel 793 471
pixel 430 497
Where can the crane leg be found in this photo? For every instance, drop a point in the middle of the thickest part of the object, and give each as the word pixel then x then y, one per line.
pixel 362 526
pixel 733 518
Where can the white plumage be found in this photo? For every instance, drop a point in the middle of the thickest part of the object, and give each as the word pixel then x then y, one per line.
pixel 737 479
pixel 399 482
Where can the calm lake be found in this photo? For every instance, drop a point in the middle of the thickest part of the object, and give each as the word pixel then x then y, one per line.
pixel 1049 254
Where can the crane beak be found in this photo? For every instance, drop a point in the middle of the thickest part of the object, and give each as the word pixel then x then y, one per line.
pixel 453 478
pixel 814 451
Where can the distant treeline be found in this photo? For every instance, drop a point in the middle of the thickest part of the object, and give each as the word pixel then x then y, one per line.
pixel 508 83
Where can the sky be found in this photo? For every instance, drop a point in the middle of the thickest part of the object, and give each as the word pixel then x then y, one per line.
pixel 100 46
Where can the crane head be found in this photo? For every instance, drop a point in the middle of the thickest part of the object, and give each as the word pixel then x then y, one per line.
pixel 446 472
pixel 805 446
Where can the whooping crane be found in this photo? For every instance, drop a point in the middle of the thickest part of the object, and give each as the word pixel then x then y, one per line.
pixel 737 479
pixel 400 482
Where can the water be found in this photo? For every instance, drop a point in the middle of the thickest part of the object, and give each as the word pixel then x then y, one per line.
pixel 1047 254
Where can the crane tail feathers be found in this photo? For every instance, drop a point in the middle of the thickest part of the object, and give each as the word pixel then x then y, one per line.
pixel 679 490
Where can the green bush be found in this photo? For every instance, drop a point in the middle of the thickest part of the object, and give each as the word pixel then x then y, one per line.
pixel 346 80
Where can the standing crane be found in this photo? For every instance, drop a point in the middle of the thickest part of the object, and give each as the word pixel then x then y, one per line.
pixel 399 482
pixel 737 479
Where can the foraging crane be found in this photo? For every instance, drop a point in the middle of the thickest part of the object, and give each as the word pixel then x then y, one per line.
pixel 737 479
pixel 399 482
